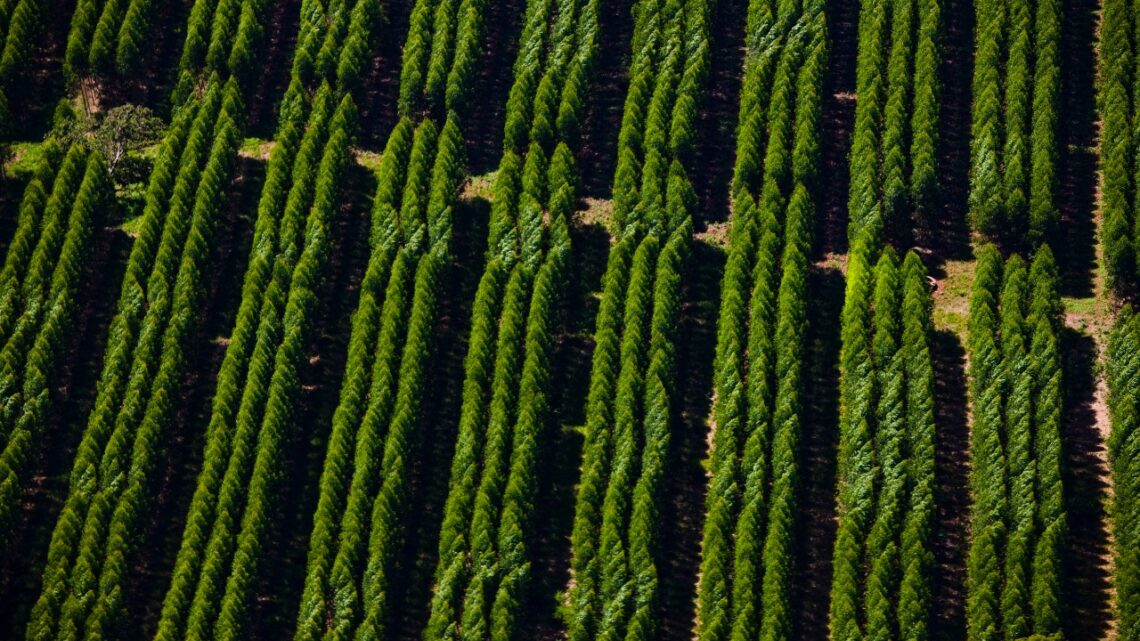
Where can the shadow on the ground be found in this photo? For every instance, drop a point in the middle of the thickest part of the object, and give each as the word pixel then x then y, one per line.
pixel 439 421
pixel 946 231
pixel 683 495
pixel 837 121
pixel 711 168
pixel 1086 586
pixel 562 453
pixel 952 488
pixel 597 157
pixel 1076 140
pixel 819 440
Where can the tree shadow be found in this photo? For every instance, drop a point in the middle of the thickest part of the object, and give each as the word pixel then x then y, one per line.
pixel 685 485
pixel 837 121
pixel 1086 582
pixel 819 440
pixel 946 231
pixel 712 166
pixel 493 79
pixel 439 420
pixel 11 196
pixel 952 488
pixel 561 455
pixel 605 99
pixel 1077 140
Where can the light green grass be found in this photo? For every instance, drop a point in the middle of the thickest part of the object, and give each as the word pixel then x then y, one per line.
pixel 370 160
pixel 256 148
pixel 952 297
pixel 480 186
pixel 25 157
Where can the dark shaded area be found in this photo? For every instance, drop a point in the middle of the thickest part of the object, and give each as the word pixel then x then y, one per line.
pixel 561 455
pixel 380 89
pixel 271 79
pixel 597 156
pixel 819 440
pixel 952 488
pixel 1077 145
pixel 273 611
pixel 483 128
pixel 11 195
pixel 686 481
pixel 22 558
pixel 33 90
pixel 837 121
pixel 184 442
pixel 160 533
pixel 151 82
pixel 1086 583
pixel 946 231
pixel 711 168
pixel 431 472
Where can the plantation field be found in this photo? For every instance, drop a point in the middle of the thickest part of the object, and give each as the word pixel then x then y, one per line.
pixel 622 320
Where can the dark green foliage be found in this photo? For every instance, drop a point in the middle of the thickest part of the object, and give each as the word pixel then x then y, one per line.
pixel 917 556
pixel 1043 322
pixel 366 18
pixel 988 476
pixel 219 562
pixel 365 487
pixel 109 37
pixel 893 157
pixel 47 187
pixel 143 273
pixel 1117 108
pixel 226 397
pixel 157 417
pixel 119 456
pixel 596 449
pixel 399 448
pixel 483 566
pixel 413 208
pixel 1014 565
pixel 856 449
pixel 628 416
pixel 50 296
pixel 886 457
pixel 1015 100
pixel 19 41
pixel 440 52
pixel 101 55
pixel 83 23
pixel 882 556
pixel 1123 358
pixel 133 35
pixel 748 547
pixel 219 559
pixel 386 224
pixel 225 37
